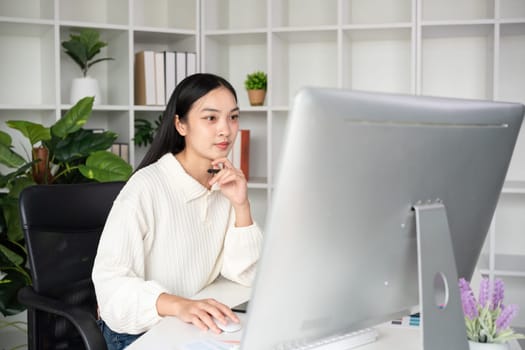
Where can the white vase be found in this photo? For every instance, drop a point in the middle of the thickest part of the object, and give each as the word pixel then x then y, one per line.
pixel 82 87
pixel 487 346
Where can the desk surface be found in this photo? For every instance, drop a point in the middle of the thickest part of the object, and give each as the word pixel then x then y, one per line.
pixel 171 333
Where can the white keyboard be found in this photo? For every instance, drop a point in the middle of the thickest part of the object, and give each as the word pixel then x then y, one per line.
pixel 343 341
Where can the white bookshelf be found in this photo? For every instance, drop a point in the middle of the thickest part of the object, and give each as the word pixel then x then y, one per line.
pixel 36 74
pixel 466 49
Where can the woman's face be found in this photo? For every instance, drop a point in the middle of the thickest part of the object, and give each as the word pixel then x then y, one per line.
pixel 211 125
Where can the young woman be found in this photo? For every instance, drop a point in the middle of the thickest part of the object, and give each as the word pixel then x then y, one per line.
pixel 176 225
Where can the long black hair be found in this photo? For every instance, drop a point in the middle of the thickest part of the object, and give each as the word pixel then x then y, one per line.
pixel 167 138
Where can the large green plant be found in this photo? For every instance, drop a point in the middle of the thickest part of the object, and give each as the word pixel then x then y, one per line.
pixel 83 48
pixel 61 153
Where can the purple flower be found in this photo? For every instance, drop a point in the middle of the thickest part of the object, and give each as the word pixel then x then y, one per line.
pixel 497 293
pixel 484 291
pixel 467 299
pixel 506 316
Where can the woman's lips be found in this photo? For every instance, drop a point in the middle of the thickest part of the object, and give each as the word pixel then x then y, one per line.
pixel 222 145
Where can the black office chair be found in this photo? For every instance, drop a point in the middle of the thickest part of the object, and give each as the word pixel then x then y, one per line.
pixel 62 226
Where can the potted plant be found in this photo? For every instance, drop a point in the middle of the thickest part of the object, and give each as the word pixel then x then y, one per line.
pixel 256 84
pixel 145 131
pixel 82 48
pixel 62 153
pixel 487 319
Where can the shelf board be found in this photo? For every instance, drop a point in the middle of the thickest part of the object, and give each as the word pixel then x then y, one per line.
pixel 100 107
pixel 97 25
pixel 258 182
pixel 44 107
pixel 400 25
pixel 505 265
pixel 141 108
pixel 235 31
pixel 21 20
pixel 513 187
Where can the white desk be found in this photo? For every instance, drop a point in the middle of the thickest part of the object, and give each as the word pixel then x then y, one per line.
pixel 171 333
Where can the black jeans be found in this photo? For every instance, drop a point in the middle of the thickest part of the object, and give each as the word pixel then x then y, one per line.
pixel 114 340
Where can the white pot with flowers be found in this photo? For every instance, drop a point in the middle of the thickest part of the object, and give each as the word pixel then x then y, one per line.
pixel 487 319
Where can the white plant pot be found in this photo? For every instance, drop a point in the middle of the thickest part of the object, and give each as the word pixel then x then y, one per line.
pixel 487 346
pixel 82 87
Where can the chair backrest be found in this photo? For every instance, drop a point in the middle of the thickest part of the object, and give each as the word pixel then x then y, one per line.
pixel 62 225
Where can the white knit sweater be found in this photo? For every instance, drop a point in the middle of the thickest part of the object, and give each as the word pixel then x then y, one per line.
pixel 167 233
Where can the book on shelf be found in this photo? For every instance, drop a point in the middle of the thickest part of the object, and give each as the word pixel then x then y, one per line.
pixel 121 149
pixel 191 63
pixel 159 79
pixel 240 152
pixel 145 84
pixel 169 69
pixel 180 66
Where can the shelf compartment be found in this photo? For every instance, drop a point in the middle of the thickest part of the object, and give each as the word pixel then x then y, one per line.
pixel 112 76
pixel 116 121
pixel 181 14
pixel 378 60
pixel 457 10
pixel 95 11
pixel 303 13
pixel 457 60
pixel 234 14
pixel 258 199
pixel 256 122
pixel 27 64
pixel 163 41
pixel 505 265
pixel 295 54
pixel 512 9
pixel 233 57
pixel 43 9
pixel 511 67
pixel 366 11
pixel 279 121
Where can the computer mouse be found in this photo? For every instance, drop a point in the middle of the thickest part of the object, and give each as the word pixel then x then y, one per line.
pixel 229 327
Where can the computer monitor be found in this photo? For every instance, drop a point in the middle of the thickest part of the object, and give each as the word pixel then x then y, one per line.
pixel 340 248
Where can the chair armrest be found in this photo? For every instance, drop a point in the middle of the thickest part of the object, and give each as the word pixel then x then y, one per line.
pixel 83 321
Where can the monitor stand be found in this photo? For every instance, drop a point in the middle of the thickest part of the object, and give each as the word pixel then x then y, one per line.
pixel 442 320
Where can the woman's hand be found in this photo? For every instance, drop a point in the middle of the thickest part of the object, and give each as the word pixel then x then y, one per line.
pixel 198 312
pixel 232 181
pixel 234 186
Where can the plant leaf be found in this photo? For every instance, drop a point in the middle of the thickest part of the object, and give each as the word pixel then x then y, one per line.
pixel 75 118
pixel 34 132
pixel 81 144
pixel 9 157
pixel 5 139
pixel 105 166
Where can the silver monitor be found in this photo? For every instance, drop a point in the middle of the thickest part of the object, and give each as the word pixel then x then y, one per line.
pixel 340 248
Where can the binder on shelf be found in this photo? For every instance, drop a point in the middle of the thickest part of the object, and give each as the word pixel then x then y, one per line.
pixel 145 78
pixel 159 79
pixel 180 66
pixel 191 63
pixel 169 70
pixel 121 149
pixel 240 152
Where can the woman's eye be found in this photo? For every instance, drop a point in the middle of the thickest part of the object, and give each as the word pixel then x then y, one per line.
pixel 210 118
pixel 234 117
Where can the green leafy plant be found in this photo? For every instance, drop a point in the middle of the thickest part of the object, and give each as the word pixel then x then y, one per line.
pixel 83 48
pixel 62 153
pixel 256 81
pixel 145 131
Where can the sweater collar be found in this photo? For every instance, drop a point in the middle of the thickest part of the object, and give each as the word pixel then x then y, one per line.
pixel 184 182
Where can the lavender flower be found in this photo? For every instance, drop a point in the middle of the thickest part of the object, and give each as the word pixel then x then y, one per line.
pixel 487 320
pixel 497 293
pixel 467 300
pixel 484 291
pixel 508 313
